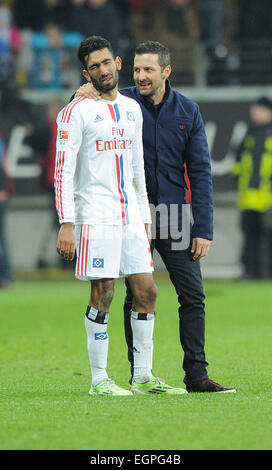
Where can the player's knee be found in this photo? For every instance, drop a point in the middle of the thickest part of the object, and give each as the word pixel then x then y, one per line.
pixel 153 293
pixel 105 298
pixel 147 295
pixel 102 295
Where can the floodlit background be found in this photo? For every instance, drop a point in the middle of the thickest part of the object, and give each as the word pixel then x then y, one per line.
pixel 221 57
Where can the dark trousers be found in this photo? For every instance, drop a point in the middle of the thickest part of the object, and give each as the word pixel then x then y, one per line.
pixel 186 277
pixel 4 256
pixel 257 246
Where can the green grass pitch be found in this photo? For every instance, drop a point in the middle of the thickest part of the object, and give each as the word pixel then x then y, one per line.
pixel 45 374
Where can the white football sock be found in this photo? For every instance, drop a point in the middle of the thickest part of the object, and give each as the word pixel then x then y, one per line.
pixel 142 325
pixel 97 342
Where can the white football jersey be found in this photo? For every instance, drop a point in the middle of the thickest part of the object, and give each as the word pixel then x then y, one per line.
pixel 99 171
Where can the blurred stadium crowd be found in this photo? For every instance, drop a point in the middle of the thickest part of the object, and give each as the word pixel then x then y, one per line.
pixel 213 42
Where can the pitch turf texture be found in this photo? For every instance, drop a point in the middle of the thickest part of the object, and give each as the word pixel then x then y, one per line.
pixel 45 375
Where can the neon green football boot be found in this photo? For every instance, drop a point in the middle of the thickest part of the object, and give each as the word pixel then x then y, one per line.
pixel 156 385
pixel 108 387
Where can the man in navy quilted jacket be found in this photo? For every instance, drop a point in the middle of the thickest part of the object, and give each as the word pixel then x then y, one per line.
pixel 174 138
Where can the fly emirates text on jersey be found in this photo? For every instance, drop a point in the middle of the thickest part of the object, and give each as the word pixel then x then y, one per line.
pixel 116 143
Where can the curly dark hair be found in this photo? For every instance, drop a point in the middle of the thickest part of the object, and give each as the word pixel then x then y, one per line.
pixel 91 44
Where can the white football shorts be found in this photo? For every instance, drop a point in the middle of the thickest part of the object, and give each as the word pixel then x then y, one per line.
pixel 111 251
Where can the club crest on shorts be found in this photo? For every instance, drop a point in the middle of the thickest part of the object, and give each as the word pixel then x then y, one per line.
pixel 98 262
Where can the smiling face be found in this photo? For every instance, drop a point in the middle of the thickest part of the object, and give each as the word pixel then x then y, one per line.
pixel 102 70
pixel 150 77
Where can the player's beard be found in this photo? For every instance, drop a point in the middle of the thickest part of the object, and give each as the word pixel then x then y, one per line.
pixel 105 88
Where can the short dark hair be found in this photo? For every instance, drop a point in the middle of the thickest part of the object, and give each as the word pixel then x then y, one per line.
pixel 91 44
pixel 263 101
pixel 154 47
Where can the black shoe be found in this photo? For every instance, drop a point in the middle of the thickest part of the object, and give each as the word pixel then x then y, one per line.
pixel 207 385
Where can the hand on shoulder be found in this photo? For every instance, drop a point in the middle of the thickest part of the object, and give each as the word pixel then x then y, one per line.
pixel 88 91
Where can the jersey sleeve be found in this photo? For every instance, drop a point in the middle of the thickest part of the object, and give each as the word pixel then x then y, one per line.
pixel 138 170
pixel 69 138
